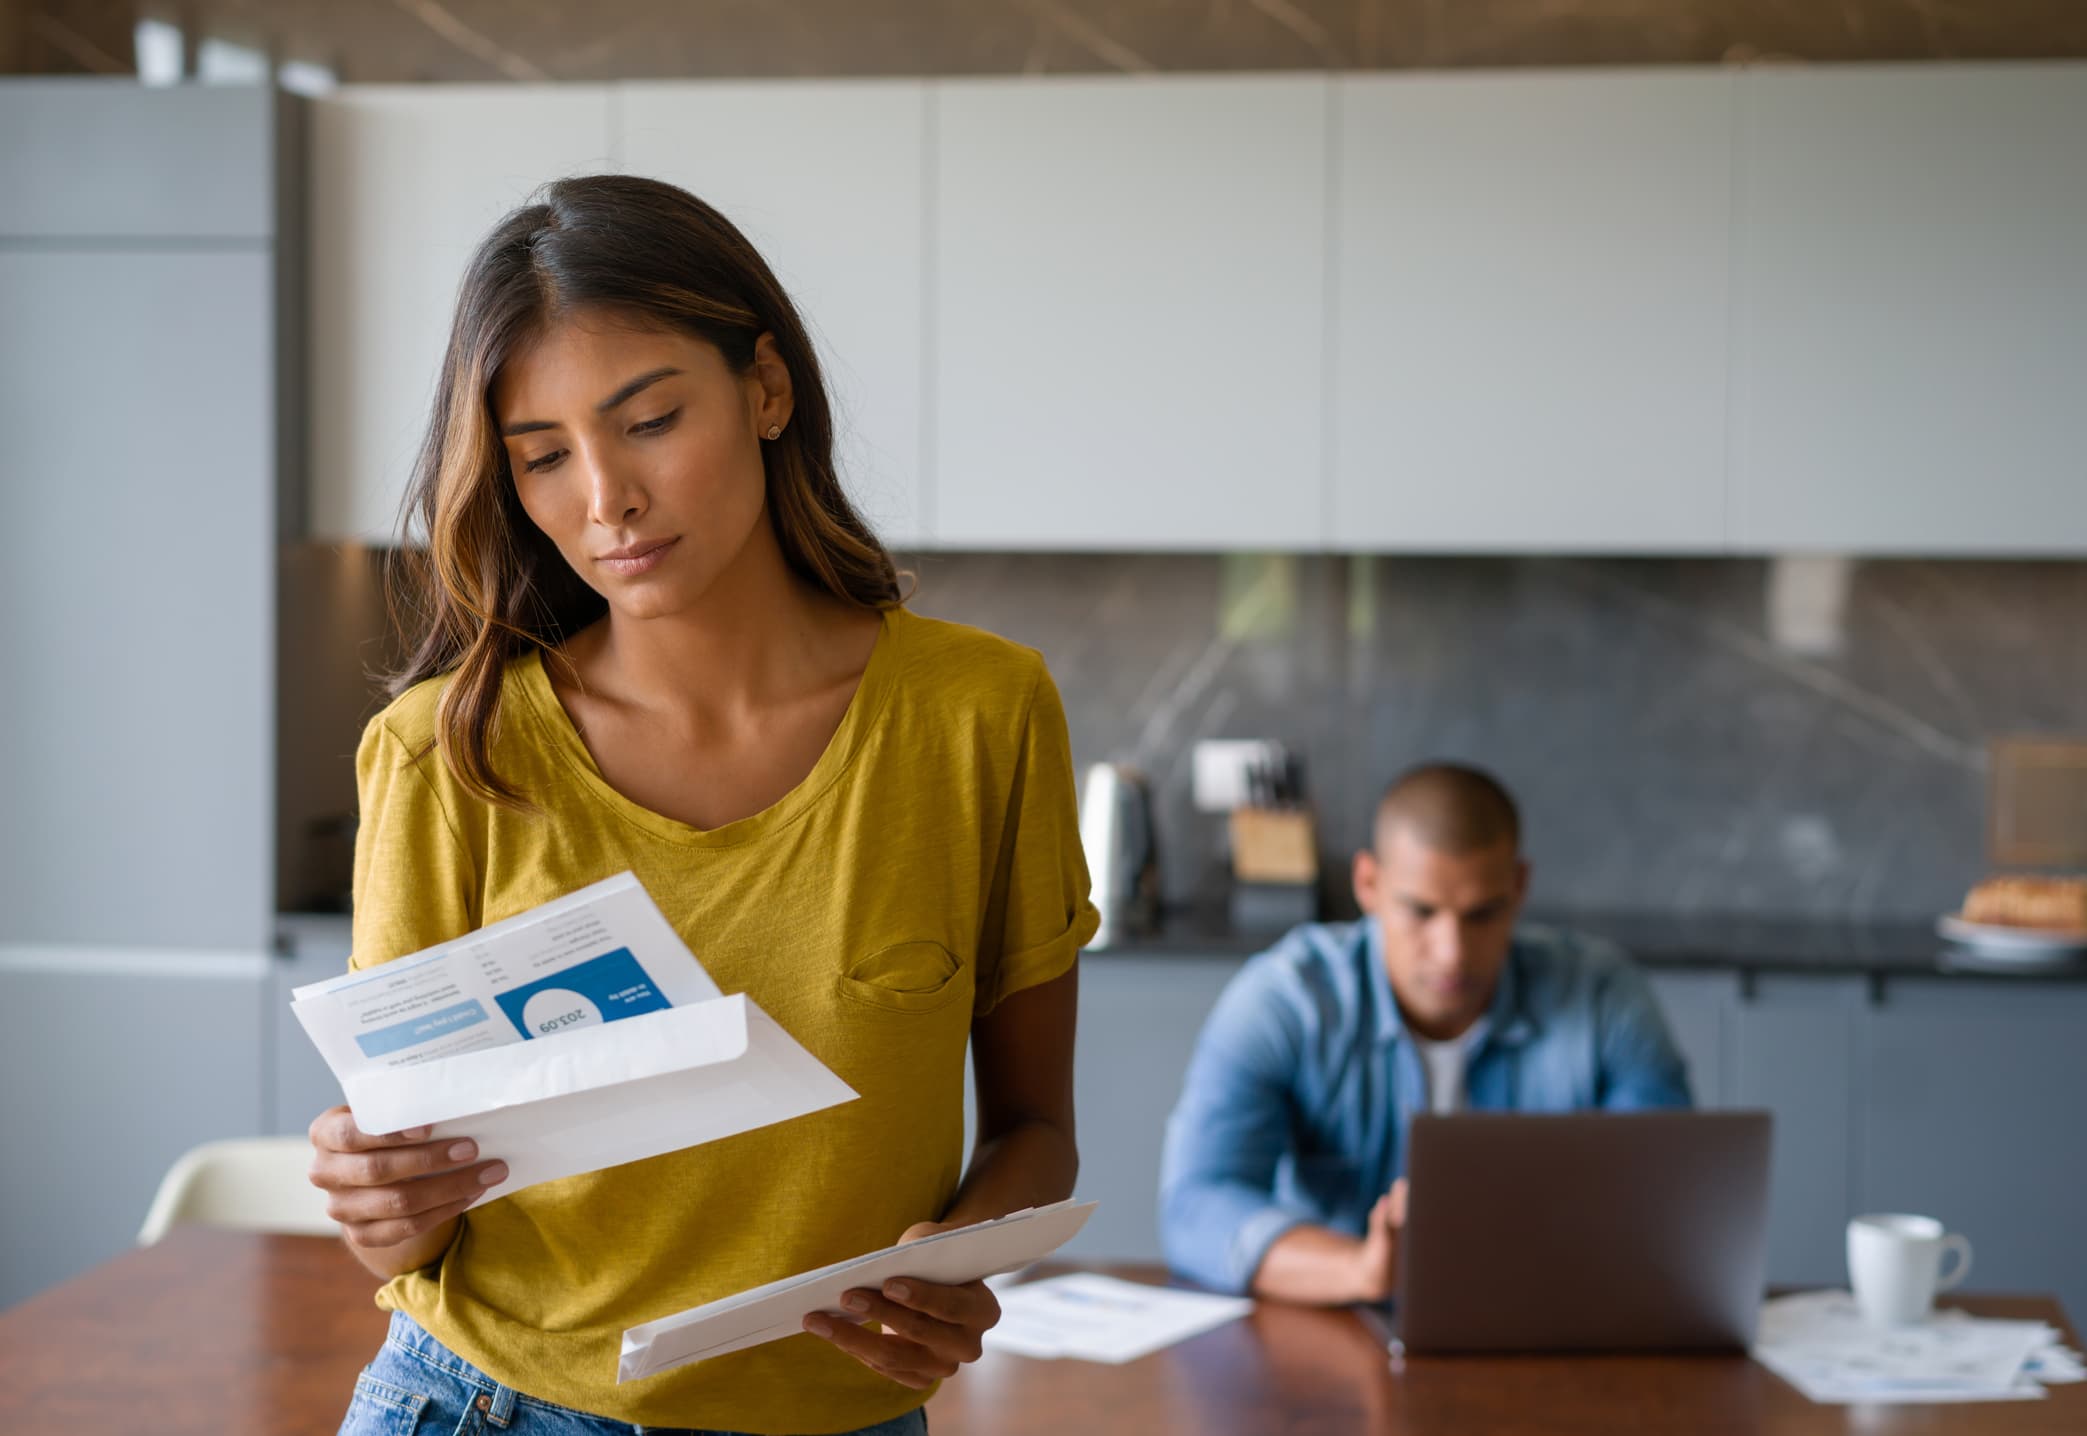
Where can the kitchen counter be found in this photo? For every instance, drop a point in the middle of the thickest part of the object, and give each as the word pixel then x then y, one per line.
pixel 1724 942
pixel 1741 942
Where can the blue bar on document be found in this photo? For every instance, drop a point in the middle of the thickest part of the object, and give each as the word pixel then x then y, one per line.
pixel 416 1030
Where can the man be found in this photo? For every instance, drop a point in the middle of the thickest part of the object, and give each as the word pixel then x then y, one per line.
pixel 1284 1161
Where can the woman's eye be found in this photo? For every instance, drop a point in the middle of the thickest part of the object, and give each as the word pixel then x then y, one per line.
pixel 654 426
pixel 538 465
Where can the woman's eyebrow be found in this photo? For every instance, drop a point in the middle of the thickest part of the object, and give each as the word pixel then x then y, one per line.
pixel 649 377
pixel 643 381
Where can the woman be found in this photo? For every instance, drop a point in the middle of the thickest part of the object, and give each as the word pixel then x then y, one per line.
pixel 653 634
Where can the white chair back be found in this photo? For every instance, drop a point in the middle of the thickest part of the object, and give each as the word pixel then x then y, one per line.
pixel 251 1183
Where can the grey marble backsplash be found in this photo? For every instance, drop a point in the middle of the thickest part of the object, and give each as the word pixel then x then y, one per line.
pixel 1800 737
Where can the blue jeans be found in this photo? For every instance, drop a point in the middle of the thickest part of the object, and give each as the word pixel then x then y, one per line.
pixel 419 1387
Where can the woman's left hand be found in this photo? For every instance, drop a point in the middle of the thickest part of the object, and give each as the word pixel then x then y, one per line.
pixel 929 1329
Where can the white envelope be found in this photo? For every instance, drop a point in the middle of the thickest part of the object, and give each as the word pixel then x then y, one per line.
pixel 771 1312
pixel 601 1096
pixel 633 1052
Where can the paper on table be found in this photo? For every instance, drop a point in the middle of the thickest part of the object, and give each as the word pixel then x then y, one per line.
pixel 2056 1366
pixel 578 1035
pixel 1085 1317
pixel 1819 1343
pixel 768 1313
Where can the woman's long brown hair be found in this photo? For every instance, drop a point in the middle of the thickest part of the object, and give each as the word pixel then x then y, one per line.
pixel 489 585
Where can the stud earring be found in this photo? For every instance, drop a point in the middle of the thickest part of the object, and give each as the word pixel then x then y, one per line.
pixel 775 431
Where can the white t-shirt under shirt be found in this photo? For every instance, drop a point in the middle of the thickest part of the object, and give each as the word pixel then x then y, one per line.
pixel 1444 1064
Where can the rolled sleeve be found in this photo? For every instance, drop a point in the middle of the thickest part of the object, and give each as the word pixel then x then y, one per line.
pixel 1228 1133
pixel 1038 912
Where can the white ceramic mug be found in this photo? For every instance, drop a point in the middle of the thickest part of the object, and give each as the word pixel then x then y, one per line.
pixel 1895 1266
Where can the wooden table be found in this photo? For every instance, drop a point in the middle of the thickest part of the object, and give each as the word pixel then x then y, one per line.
pixel 226 1333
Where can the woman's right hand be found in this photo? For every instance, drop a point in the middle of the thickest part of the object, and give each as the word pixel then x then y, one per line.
pixel 389 1190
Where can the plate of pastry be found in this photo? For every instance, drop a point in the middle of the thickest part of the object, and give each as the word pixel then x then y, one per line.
pixel 2022 918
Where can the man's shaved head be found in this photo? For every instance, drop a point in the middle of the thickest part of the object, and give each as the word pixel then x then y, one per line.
pixel 1444 882
pixel 1450 809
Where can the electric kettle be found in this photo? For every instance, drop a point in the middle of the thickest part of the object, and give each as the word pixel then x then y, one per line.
pixel 1122 851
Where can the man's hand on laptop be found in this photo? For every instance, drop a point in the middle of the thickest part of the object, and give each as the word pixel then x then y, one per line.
pixel 1322 1266
pixel 1377 1259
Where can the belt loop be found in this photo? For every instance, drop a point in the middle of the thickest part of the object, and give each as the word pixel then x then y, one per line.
pixel 498 1408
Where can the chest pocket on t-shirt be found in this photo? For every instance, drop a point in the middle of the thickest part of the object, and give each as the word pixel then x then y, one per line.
pixel 907 977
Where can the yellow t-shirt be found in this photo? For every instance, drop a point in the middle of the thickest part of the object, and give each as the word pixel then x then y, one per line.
pixel 927 867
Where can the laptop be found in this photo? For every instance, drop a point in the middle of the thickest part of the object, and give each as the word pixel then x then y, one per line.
pixel 1584 1231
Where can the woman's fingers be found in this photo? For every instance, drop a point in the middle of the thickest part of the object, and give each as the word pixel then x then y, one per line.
pixel 334 1130
pixel 344 1156
pixel 948 1340
pixel 971 1305
pixel 384 1189
pixel 929 1329
pixel 383 1166
pixel 352 1202
pixel 391 1231
pixel 906 1362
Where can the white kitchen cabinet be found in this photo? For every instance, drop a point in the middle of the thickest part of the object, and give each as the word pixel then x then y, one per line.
pixel 1839 309
pixel 137 531
pixel 1529 312
pixel 141 364
pixel 123 1060
pixel 107 157
pixel 1127 309
pixel 1912 310
pixel 404 182
pixel 828 181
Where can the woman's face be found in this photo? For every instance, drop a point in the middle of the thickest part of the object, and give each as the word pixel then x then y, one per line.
pixel 638 452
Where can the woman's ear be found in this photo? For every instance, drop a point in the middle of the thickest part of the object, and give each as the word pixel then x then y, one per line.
pixel 775 398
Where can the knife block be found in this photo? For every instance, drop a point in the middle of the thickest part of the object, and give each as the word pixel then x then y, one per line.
pixel 1274 845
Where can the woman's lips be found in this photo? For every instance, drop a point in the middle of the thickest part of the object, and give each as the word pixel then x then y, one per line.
pixel 638 558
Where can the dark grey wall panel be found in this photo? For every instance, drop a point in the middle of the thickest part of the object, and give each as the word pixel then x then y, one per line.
pixel 1972 1096
pixel 1695 1005
pixel 1139 1018
pixel 1792 1050
pixel 113 159
pixel 137 534
pixel 133 1061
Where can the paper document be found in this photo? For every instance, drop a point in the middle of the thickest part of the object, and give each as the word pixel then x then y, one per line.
pixel 578 1035
pixel 1086 1317
pixel 1819 1343
pixel 768 1313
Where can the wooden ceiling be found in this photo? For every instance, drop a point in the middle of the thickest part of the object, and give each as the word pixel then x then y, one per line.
pixel 492 40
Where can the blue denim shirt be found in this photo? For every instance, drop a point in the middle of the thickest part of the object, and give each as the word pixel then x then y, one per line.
pixel 1298 1099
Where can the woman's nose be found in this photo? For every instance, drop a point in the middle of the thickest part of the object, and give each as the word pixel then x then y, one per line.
pixel 614 500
